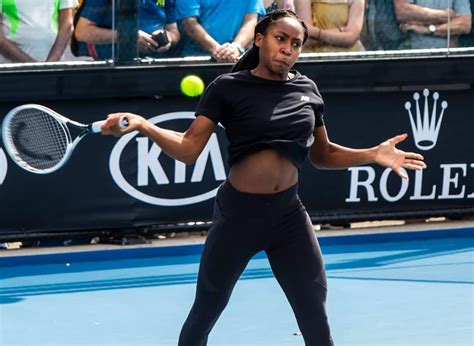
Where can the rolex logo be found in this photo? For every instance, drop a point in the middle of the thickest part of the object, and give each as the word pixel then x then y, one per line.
pixel 426 128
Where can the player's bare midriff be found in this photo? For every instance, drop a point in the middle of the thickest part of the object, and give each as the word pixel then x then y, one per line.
pixel 264 172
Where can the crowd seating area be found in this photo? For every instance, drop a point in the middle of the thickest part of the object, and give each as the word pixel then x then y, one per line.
pixel 68 30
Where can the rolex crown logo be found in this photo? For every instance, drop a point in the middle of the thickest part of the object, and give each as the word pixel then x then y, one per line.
pixel 426 128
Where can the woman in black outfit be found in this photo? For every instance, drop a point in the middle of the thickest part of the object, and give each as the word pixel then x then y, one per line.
pixel 273 118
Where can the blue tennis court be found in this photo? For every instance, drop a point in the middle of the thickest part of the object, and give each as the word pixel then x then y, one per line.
pixel 410 288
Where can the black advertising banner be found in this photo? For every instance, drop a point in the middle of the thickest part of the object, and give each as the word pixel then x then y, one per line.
pixel 127 182
pixel 439 125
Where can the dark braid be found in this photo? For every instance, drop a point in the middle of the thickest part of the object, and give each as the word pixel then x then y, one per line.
pixel 251 57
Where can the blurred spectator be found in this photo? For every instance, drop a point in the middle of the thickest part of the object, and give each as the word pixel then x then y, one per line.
pixel 35 30
pixel 427 21
pixel 468 40
pixel 220 28
pixel 334 25
pixel 383 32
pixel 95 35
pixel 272 5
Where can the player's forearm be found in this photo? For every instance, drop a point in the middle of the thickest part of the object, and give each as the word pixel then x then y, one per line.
pixel 12 52
pixel 199 35
pixel 65 30
pixel 245 34
pixel 174 144
pixel 339 157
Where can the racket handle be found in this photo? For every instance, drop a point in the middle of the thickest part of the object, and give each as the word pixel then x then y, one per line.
pixel 97 126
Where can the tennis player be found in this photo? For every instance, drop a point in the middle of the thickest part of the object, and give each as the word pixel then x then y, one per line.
pixel 273 117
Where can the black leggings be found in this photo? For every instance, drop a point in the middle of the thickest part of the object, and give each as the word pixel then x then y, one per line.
pixel 243 225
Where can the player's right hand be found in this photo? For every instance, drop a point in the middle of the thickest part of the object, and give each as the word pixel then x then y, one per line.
pixel 115 124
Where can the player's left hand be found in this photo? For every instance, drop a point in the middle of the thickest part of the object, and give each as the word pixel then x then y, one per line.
pixel 388 155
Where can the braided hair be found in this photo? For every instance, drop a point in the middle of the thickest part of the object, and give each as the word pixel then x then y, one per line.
pixel 251 57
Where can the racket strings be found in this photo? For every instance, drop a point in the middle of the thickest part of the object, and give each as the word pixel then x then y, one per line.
pixel 39 139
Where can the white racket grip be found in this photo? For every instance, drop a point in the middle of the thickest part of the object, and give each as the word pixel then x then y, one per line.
pixel 97 126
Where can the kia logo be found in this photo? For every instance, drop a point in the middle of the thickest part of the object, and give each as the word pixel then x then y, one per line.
pixel 152 174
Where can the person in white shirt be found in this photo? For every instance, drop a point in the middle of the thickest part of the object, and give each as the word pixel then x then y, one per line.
pixel 35 30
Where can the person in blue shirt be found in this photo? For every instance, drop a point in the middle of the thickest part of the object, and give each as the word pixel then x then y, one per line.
pixel 221 29
pixel 95 36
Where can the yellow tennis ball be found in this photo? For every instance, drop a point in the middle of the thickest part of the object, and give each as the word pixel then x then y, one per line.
pixel 192 86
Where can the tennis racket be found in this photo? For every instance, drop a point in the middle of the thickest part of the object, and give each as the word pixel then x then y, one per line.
pixel 39 140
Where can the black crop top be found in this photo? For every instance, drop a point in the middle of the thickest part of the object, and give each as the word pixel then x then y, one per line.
pixel 259 113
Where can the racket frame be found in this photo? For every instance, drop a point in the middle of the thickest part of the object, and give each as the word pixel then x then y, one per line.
pixel 62 120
